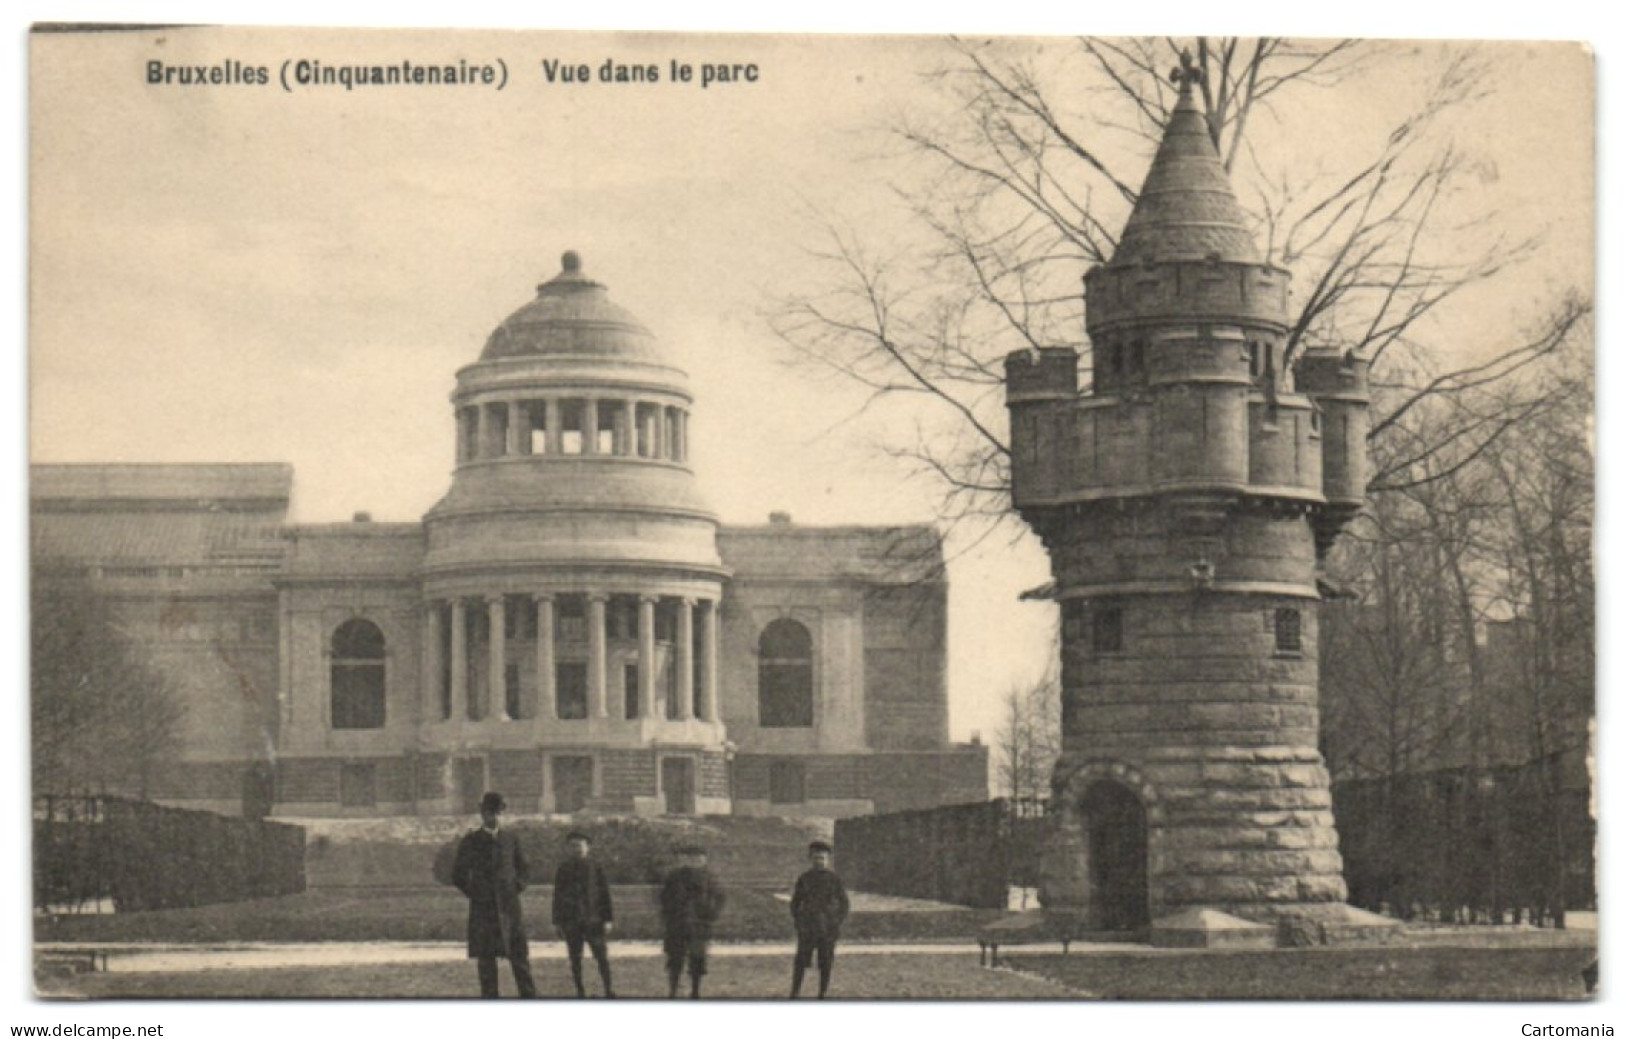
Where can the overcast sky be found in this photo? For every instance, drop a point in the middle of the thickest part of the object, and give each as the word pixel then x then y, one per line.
pixel 238 273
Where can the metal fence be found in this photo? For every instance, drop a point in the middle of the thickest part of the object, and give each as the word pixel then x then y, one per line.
pixel 1468 845
pixel 99 853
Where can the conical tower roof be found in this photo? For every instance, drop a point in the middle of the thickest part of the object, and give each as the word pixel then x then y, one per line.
pixel 1186 209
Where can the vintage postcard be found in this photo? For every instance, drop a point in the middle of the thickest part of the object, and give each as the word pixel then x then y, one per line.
pixel 752 517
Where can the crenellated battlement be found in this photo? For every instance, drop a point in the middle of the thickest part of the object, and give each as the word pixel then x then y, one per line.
pixel 1047 374
pixel 1217 437
pixel 1328 374
pixel 1186 291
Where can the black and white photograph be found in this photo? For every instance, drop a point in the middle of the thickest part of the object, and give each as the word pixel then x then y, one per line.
pixel 739 517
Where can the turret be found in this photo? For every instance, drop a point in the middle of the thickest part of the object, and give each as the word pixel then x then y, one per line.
pixel 1340 386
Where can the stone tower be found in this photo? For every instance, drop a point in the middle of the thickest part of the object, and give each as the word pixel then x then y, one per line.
pixel 1187 496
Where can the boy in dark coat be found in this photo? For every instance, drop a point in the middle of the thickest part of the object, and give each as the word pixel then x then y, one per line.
pixel 582 911
pixel 490 869
pixel 819 907
pixel 690 902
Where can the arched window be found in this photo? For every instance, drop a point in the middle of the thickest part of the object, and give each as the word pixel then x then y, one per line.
pixel 358 676
pixel 785 676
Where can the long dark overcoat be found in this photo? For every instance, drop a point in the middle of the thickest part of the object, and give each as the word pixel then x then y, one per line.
pixel 491 871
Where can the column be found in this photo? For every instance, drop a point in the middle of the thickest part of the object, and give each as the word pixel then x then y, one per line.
pixel 433 690
pixel 589 426
pixel 657 431
pixel 628 435
pixel 459 659
pixel 555 427
pixel 685 659
pixel 679 425
pixel 482 432
pixel 648 705
pixel 597 698
pixel 514 411
pixel 546 705
pixel 496 614
pixel 708 660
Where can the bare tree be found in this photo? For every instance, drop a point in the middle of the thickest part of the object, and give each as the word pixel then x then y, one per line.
pixel 1028 739
pixel 102 719
pixel 1012 194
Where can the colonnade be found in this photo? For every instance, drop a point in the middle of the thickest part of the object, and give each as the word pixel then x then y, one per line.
pixel 615 427
pixel 572 629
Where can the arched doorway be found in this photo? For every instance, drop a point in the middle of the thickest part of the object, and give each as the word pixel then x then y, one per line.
pixel 1114 827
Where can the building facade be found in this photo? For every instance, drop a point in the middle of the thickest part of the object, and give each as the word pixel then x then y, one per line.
pixel 1186 499
pixel 568 624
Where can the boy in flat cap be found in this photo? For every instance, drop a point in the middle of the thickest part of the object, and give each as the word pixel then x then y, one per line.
pixel 690 902
pixel 490 869
pixel 582 911
pixel 819 907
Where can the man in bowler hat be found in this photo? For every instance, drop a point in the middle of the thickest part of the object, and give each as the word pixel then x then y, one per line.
pixel 582 910
pixel 490 870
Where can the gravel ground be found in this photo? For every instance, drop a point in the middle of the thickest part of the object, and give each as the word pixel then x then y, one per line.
pixel 1544 971
pixel 734 977
pixel 1547 971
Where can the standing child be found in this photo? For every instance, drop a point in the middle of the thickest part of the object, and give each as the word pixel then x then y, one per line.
pixel 582 910
pixel 690 902
pixel 819 907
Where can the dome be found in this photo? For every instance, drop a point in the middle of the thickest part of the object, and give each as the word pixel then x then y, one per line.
pixel 572 316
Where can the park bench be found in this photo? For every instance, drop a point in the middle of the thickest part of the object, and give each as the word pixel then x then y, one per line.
pixel 1032 928
pixel 73 959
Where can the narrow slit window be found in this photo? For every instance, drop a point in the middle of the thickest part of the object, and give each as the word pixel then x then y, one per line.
pixel 1106 630
pixel 1288 631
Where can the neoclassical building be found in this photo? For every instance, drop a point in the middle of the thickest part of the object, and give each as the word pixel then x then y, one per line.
pixel 568 624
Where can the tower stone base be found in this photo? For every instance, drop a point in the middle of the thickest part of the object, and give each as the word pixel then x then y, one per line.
pixel 1245 831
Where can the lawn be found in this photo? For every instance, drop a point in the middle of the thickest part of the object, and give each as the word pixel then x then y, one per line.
pixel 441 914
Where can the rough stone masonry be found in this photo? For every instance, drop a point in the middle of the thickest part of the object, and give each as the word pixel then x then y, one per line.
pixel 1187 497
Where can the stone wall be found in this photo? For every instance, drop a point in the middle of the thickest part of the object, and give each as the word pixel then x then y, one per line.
pixel 952 853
